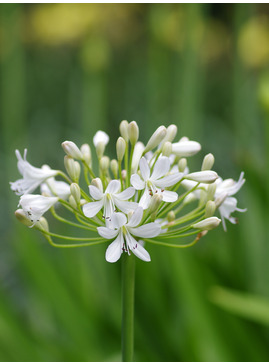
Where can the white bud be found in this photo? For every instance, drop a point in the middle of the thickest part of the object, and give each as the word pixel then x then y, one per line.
pixel 20 215
pixel 156 138
pixel 202 176
pixel 138 151
pixel 75 191
pixel 114 168
pixel 182 164
pixel 211 191
pixel 208 162
pixel 100 137
pixel 87 154
pixel 72 150
pixel 189 198
pixel 100 148
pixel 133 132
pixel 186 148
pixel 167 149
pixel 171 216
pixel 207 224
pixel 42 224
pixel 72 167
pixel 210 208
pixel 124 130
pixel 72 202
pixel 120 148
pixel 171 132
pixel 104 164
pixel 97 183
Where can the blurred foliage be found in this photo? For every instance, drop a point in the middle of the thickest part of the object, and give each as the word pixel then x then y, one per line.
pixel 68 70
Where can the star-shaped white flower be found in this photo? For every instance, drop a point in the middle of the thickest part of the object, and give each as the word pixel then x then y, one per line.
pixel 225 189
pixel 34 206
pixel 110 199
pixel 156 182
pixel 32 176
pixel 124 233
pixel 55 188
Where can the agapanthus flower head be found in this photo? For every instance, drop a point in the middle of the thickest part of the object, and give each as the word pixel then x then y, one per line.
pixel 136 196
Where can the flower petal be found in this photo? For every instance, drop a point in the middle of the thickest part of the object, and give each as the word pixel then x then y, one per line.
pixel 114 250
pixel 118 219
pixel 137 182
pixel 95 193
pixel 113 186
pixel 136 217
pixel 169 196
pixel 90 209
pixel 144 168
pixel 160 169
pixel 106 232
pixel 126 194
pixel 146 231
pixel 125 206
pixel 145 199
pixel 170 180
pixel 136 248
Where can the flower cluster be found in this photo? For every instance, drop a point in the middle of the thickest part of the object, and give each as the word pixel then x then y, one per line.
pixel 133 199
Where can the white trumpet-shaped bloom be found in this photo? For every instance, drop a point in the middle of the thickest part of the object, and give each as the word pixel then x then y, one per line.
pixel 34 206
pixel 32 176
pixel 55 188
pixel 124 233
pixel 111 199
pixel 155 182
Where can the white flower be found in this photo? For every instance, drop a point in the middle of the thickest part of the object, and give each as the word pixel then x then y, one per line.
pixel 228 188
pixel 55 188
pixel 34 206
pixel 32 176
pixel 156 182
pixel 111 199
pixel 100 137
pixel 124 233
pixel 186 147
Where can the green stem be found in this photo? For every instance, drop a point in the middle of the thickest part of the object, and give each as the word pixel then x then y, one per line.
pixel 128 285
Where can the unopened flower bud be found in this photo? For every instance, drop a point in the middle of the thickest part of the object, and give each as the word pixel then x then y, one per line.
pixel 75 192
pixel 186 148
pixel 167 149
pixel 114 168
pixel 189 198
pixel 210 208
pixel 123 174
pixel 97 183
pixel 124 130
pixel 100 148
pixel 100 137
pixel 72 202
pixel 42 224
pixel 202 176
pixel 87 154
pixel 171 132
pixel 120 148
pixel 211 191
pixel 104 164
pixel 20 215
pixel 133 132
pixel 155 202
pixel 207 224
pixel 182 164
pixel 72 150
pixel 72 167
pixel 208 162
pixel 156 138
pixel 138 151
pixel 171 216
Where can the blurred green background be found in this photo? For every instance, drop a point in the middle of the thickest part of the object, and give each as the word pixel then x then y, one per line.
pixel 68 70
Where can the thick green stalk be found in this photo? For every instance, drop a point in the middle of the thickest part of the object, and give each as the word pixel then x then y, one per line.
pixel 128 285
